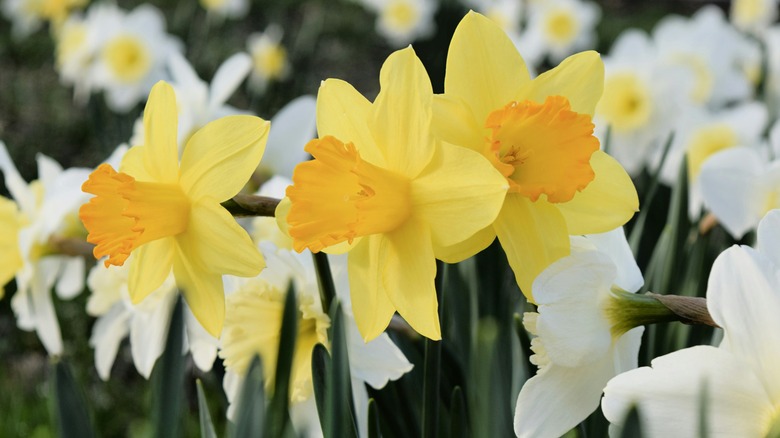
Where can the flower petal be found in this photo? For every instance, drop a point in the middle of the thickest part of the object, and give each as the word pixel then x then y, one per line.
pixel 149 331
pixel 614 244
pixel 228 77
pixel 203 291
pixel 463 250
pixel 217 244
pixel 71 280
pixel 161 154
pixel 769 236
pixel 133 164
pixel 458 194
pixel 608 202
pixel 372 307
pixel 375 362
pixel 343 113
pixel 14 183
pixel 579 78
pixel 533 235
pixel 293 127
pixel 454 123
pixel 743 295
pixel 400 119
pixel 483 66
pixel 408 275
pixel 150 266
pixel 667 395
pixel 107 335
pixel 220 157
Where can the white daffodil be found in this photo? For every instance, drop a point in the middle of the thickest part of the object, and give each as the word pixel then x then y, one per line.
pixel 713 52
pixel 700 133
pixel 27 16
pixel 197 101
pixel 226 8
pixel 252 323
pixel 577 346
pixel 640 102
pixel 401 22
pixel 46 214
pixel 753 16
pixel 132 56
pixel 558 28
pixel 270 61
pixel 739 378
pixel 147 323
pixel 771 42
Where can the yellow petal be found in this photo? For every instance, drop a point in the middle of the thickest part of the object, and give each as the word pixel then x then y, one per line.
pixel 10 257
pixel 458 194
pixel 161 155
pixel 608 202
pixel 343 113
pixel 218 243
pixel 579 78
pixel 454 123
pixel 203 291
pixel 533 235
pixel 221 156
pixel 150 266
pixel 463 250
pixel 400 119
pixel 370 304
pixel 133 164
pixel 409 272
pixel 483 66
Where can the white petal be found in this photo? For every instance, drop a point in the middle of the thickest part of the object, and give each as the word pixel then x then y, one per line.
pixel 228 77
pixel 305 419
pixel 375 362
pixel 769 236
pixel 667 395
pixel 291 128
pixel 613 243
pixel 18 188
pixel 71 281
pixel 45 318
pixel 148 332
pixel 571 323
pixel 48 169
pixel 202 345
pixel 743 296
pixel 107 335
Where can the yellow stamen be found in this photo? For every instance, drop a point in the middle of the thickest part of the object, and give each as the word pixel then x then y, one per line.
pixel 542 148
pixel 338 196
pixel 126 213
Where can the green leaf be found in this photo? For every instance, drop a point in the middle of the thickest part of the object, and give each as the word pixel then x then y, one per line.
pixel 632 426
pixel 341 419
pixel 324 280
pixel 320 370
pixel 206 426
pixel 278 416
pixel 458 415
pixel 71 413
pixel 250 415
pixel 432 371
pixel 168 378
pixel 373 420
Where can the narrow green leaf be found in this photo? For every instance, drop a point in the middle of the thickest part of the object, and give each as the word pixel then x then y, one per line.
pixel 206 426
pixel 373 420
pixel 71 412
pixel 324 280
pixel 168 378
pixel 458 415
pixel 432 371
pixel 278 415
pixel 250 415
pixel 632 426
pixel 320 370
pixel 340 405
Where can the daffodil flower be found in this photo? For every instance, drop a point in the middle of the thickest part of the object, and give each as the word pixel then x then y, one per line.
pixel 739 378
pixel 539 134
pixel 381 181
pixel 168 214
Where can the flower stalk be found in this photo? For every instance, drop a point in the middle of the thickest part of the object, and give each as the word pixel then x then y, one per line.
pixel 627 310
pixel 251 205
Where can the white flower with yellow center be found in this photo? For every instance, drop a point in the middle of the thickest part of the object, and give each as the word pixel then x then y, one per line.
pixel 401 22
pixel 253 321
pixel 701 133
pixel 576 344
pixel 713 52
pixel 132 56
pixel 147 323
pixel 44 214
pixel 270 61
pixel 753 16
pixel 739 377
pixel 640 101
pixel 226 8
pixel 27 16
pixel 558 28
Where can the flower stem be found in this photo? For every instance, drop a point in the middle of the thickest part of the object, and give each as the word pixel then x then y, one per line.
pixel 251 205
pixel 627 310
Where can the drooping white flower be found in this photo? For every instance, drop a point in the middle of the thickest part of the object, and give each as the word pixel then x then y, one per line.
pixel 576 346
pixel 739 377
pixel 557 29
pixel 269 58
pixel 401 22
pixel 46 212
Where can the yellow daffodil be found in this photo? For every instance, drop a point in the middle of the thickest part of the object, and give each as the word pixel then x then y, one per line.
pixel 539 134
pixel 168 214
pixel 10 257
pixel 382 182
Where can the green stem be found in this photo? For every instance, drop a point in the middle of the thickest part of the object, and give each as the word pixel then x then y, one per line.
pixel 324 280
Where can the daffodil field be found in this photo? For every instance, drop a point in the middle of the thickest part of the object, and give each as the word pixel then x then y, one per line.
pixel 390 218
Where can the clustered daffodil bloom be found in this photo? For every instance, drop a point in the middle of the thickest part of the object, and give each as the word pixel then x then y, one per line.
pixel 167 213
pixel 383 182
pixel 539 134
